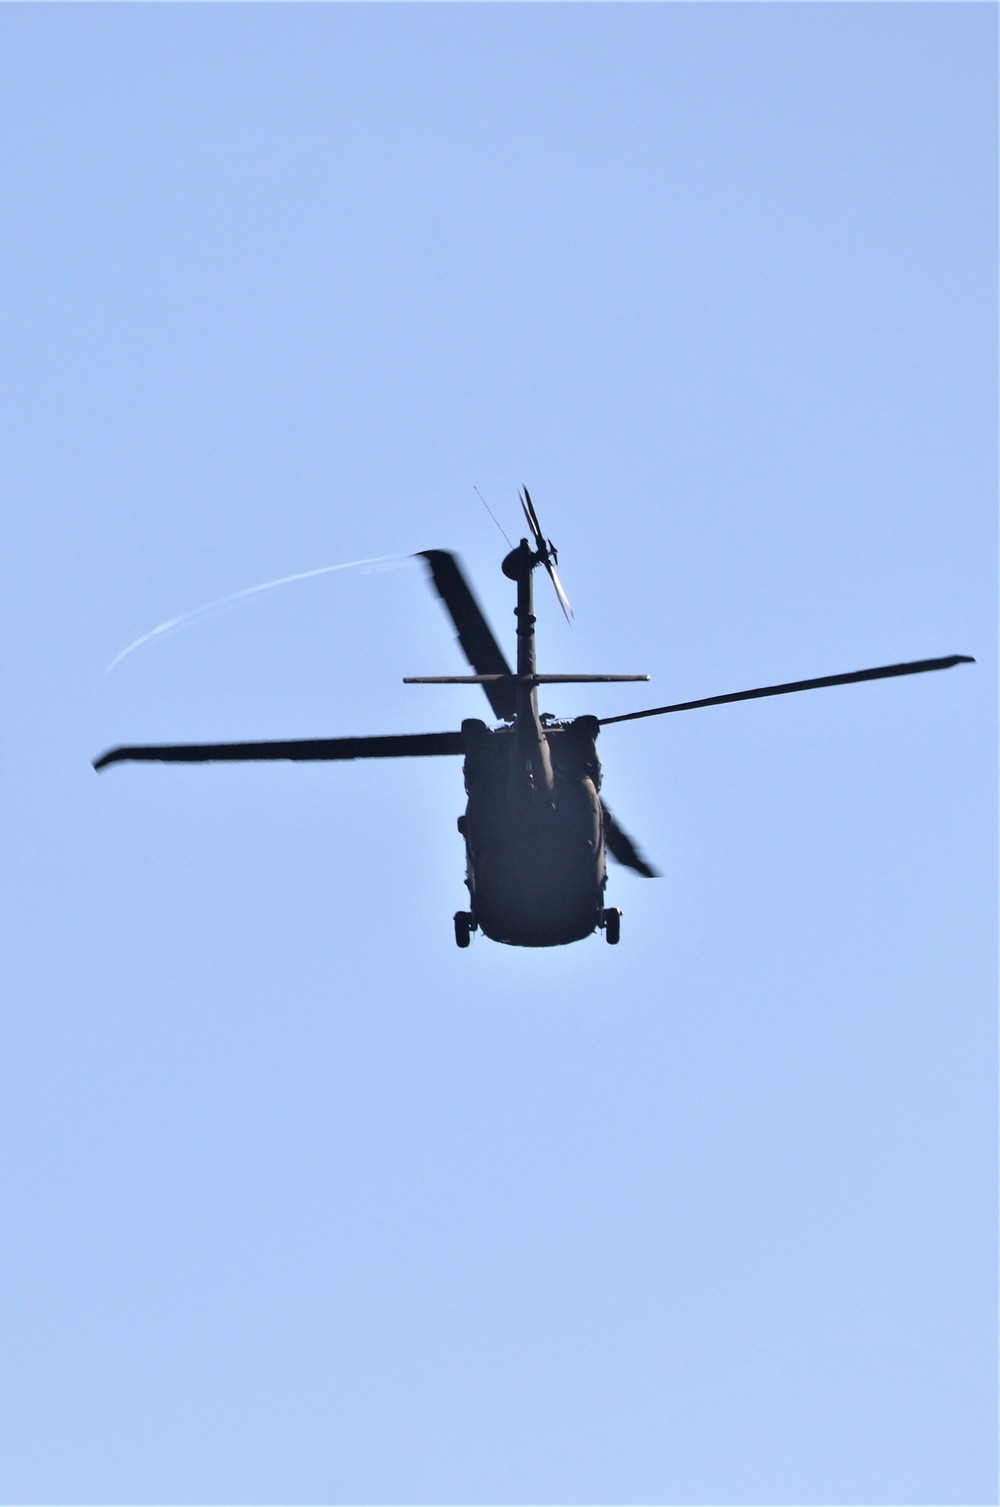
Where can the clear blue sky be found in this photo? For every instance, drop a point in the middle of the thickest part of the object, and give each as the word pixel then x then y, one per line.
pixel 300 1203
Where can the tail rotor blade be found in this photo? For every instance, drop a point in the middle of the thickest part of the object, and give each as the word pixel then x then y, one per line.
pixel 546 552
pixel 563 598
pixel 532 517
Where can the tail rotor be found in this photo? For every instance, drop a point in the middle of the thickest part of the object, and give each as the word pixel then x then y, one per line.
pixel 546 552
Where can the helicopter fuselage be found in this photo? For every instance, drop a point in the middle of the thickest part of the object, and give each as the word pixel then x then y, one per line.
pixel 534 845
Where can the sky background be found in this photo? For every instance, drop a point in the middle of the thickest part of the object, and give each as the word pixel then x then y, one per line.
pixel 301 1203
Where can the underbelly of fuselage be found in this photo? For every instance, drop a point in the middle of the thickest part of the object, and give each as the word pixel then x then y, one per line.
pixel 536 866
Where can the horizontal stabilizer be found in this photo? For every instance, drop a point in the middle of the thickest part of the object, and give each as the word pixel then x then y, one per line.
pixel 516 679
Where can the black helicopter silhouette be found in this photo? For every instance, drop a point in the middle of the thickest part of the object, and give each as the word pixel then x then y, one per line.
pixel 536 829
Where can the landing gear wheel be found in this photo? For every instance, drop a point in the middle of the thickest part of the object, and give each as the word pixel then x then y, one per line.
pixel 612 922
pixel 464 927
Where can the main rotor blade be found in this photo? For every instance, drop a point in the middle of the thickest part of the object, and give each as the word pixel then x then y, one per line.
pixel 474 633
pixel 395 746
pixel 916 667
pixel 622 848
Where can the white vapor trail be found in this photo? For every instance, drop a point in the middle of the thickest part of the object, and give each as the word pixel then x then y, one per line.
pixel 236 597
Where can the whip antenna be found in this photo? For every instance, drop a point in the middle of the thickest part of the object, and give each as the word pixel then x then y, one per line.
pixel 493 515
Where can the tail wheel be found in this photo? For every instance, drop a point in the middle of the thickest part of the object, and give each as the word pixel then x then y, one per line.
pixel 612 922
pixel 464 927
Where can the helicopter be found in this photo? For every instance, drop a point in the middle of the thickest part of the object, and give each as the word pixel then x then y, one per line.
pixel 536 828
